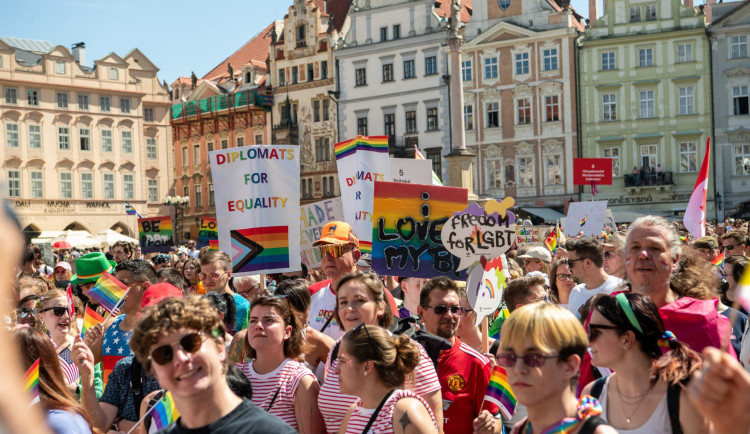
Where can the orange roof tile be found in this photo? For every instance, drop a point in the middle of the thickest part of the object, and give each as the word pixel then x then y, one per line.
pixel 443 9
pixel 254 52
pixel 186 80
pixel 339 9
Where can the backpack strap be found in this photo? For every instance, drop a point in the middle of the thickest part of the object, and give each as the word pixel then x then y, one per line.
pixel 673 407
pixel 598 387
pixel 590 424
pixel 335 351
pixel 136 382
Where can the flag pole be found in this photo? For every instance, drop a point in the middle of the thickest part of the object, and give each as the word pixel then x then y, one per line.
pixel 148 411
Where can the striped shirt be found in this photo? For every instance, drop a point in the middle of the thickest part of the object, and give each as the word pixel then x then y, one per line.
pixel 384 420
pixel 282 383
pixel 334 405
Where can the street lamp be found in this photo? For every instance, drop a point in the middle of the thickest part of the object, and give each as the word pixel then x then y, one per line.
pixel 178 202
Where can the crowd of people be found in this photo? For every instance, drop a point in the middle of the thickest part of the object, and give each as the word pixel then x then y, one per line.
pixel 639 330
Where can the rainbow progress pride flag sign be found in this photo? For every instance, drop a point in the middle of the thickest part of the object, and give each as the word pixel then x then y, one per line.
pixel 155 234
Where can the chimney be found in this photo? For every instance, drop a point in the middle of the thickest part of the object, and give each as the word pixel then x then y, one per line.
pixel 79 52
pixel 593 12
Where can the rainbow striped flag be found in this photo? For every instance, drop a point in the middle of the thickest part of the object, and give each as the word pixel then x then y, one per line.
pixel 90 319
pixel 499 392
pixel 551 241
pixel 108 292
pixel 719 260
pixel 583 220
pixel 164 412
pixel 349 147
pixel 261 248
pixel 31 380
pixel 213 244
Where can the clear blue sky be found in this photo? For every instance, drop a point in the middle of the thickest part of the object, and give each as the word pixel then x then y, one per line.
pixel 177 36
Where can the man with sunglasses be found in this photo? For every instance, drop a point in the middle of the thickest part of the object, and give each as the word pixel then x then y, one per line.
pixel 734 243
pixel 464 373
pixel 585 259
pixel 216 271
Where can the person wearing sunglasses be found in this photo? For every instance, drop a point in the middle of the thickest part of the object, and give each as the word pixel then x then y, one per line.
pixel 541 346
pixel 362 300
pixel 26 312
pixel 463 372
pixel 734 243
pixel 181 342
pixel 561 283
pixel 216 270
pixel 373 366
pixel 56 319
pixel 646 392
pixel 614 254
pixel 585 259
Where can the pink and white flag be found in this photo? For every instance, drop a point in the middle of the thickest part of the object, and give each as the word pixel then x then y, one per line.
pixel 695 213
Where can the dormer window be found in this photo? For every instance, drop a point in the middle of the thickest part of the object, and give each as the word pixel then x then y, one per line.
pixel 301 38
pixel 247 77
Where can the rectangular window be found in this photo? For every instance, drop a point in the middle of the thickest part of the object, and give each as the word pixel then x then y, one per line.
pixel 646 100
pixel 688 157
pixel 648 156
pixel 106 140
pixel 32 97
pixel 83 102
pixel 240 141
pixel 430 65
pixel 185 162
pixel 153 190
pixel 389 125
pixel 490 68
pixel 198 194
pixel 742 159
pixel 635 14
pixel 128 188
pixel 738 45
pixel 493 115
pixel 211 200
pixel 104 104
pixel 326 107
pixel 150 148
pixel 322 149
pixel 127 142
pixel 432 119
pixel 494 174
pixel 87 185
pixel 614 154
pixel 409 70
pixel 740 99
pixel 35 136
pixel 148 114
pixel 437 165
pixel 687 100
pixel 224 144
pixel 525 172
pixel 324 70
pixel 550 59
pixel 59 67
pixel 113 73
pixel 124 105
pixel 684 53
pixel 62 100
pixel 396 31
pixel 197 154
pixel 608 61
pixel 524 111
pixel 108 183
pixel 84 139
pixel 310 72
pixel 609 107
pixel 186 191
pixel 554 169
pixel 11 96
pixel 522 63
pixel 383 34
pixel 66 185
pixel 37 184
pixel 387 72
pixel 14 183
pixel 411 122
pixel 63 138
pixel 11 135
pixel 210 146
pixel 466 71
pixel 551 108
pixel 316 110
pixel 362 126
pixel 282 77
pixel 650 12
pixel 469 117
pixel 295 75
pixel 360 75
pixel 645 57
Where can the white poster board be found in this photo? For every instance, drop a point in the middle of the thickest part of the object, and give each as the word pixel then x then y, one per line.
pixel 411 171
pixel 585 216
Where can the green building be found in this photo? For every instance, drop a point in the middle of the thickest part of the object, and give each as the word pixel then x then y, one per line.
pixel 644 74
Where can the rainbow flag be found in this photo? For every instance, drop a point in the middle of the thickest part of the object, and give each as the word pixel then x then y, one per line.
pixel 719 260
pixel 583 220
pixel 551 241
pixel 31 380
pixel 164 412
pixel 743 289
pixel 213 244
pixel 497 325
pixel 90 319
pixel 349 147
pixel 499 392
pixel 108 292
pixel 261 248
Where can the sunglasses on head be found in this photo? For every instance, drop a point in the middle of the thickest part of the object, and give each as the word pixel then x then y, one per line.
pixel 363 326
pixel 595 330
pixel 23 312
pixel 58 311
pixel 189 343
pixel 442 309
pixel 532 360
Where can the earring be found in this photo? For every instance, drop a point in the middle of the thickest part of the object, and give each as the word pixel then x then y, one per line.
pixel 624 347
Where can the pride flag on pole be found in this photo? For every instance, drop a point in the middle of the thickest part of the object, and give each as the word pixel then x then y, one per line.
pixel 90 319
pixel 551 241
pixel 164 412
pixel 718 260
pixel 499 392
pixel 31 380
pixel 108 292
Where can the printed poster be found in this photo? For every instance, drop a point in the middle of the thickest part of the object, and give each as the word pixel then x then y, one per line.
pixel 411 171
pixel 155 234
pixel 313 217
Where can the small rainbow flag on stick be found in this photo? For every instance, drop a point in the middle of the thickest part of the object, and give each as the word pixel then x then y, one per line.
pixel 164 412
pixel 583 220
pixel 551 242
pixel 499 392
pixel 108 292
pixel 90 319
pixel 718 260
pixel 31 380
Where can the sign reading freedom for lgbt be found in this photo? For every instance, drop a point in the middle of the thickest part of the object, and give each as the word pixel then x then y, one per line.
pixel 207 232
pixel 408 219
pixel 312 218
pixel 361 161
pixel 155 234
pixel 257 207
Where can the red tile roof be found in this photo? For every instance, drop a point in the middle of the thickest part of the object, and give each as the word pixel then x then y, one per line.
pixel 186 80
pixel 443 9
pixel 339 9
pixel 254 52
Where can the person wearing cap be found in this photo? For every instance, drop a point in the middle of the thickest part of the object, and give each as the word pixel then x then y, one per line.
pixel 62 272
pixel 162 260
pixel 585 259
pixel 537 258
pixel 365 263
pixel 614 254
pixel 708 247
pixel 88 269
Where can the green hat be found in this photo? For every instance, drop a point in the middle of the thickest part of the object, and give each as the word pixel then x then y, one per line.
pixel 89 267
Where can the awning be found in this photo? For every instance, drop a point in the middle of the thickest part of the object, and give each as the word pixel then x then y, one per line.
pixel 548 214
pixel 626 216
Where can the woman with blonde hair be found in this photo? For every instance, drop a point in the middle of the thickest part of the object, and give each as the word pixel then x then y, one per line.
pixel 190 270
pixel 56 319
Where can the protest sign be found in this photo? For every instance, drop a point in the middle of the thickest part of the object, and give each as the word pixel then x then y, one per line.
pixel 407 222
pixel 609 220
pixel 484 287
pixel 596 170
pixel 476 231
pixel 207 232
pixel 361 161
pixel 155 234
pixel 527 236
pixel 411 171
pixel 313 217
pixel 257 207
pixel 585 216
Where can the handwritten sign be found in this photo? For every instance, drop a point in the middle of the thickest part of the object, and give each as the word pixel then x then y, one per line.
pixel 406 229
pixel 531 235
pixel 313 217
pixel 484 287
pixel 207 232
pixel 585 216
pixel 155 234
pixel 411 171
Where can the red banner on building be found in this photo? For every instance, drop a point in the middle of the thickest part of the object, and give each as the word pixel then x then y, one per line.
pixel 596 170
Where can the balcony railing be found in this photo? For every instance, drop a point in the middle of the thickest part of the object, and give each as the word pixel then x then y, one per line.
pixel 218 103
pixel 648 179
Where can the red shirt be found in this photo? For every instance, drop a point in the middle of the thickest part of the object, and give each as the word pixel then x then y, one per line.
pixel 464 374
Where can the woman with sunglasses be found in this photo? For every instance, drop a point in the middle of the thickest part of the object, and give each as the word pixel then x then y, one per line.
pixel 56 320
pixel 561 282
pixel 646 392
pixel 282 384
pixel 26 313
pixel 181 343
pixel 373 366
pixel 360 299
pixel 541 346
pixel 64 415
pixel 190 270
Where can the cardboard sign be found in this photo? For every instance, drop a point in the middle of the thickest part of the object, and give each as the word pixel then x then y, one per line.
pixel 531 235
pixel 585 216
pixel 207 232
pixel 478 232
pixel 484 287
pixel 411 171
pixel 313 217
pixel 155 234
pixel 609 220
pixel 596 170
pixel 406 229
pixel 257 207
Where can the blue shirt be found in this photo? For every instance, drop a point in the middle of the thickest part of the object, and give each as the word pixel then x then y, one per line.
pixel 242 309
pixel 63 422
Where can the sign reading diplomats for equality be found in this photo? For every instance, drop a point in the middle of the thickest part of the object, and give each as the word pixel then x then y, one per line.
pixel 155 234
pixel 407 223
pixel 596 170
pixel 257 207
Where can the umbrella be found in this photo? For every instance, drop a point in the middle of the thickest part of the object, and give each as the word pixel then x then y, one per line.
pixel 78 239
pixel 61 245
pixel 110 237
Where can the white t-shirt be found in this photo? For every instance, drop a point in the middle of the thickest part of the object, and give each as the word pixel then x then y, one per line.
pixel 322 305
pixel 579 295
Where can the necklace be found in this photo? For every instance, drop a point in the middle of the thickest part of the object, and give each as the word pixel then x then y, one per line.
pixel 638 401
pixel 587 407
